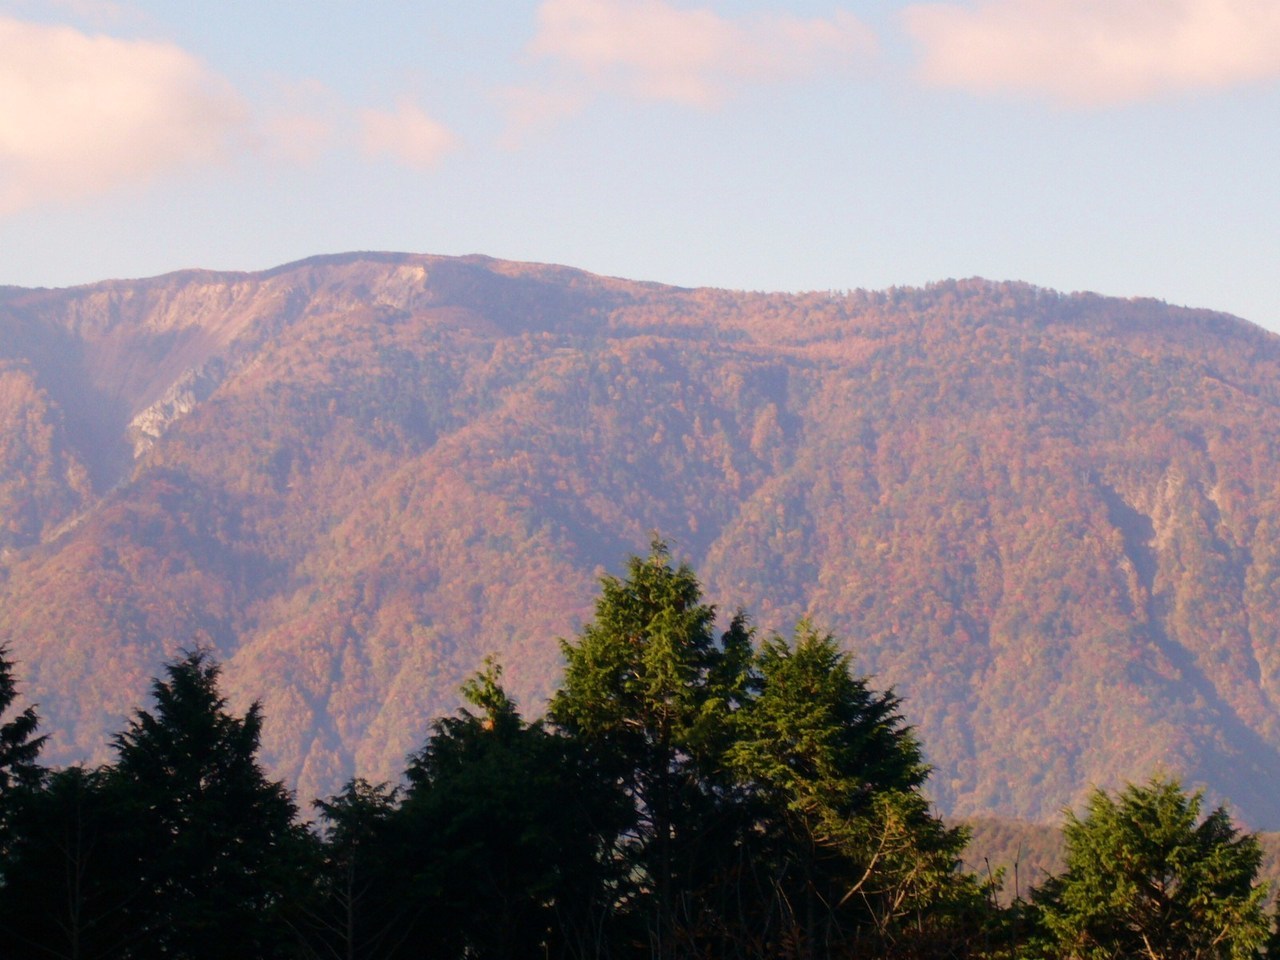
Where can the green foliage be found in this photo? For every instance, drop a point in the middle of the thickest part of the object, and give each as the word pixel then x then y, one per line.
pixel 815 738
pixel 648 691
pixel 694 797
pixel 502 833
pixel 213 842
pixel 849 845
pixel 1146 876
pixel 638 676
pixel 776 796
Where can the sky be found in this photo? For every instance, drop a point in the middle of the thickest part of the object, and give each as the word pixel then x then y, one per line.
pixel 1128 147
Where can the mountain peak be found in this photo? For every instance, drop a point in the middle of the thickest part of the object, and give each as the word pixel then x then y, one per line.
pixel 1047 519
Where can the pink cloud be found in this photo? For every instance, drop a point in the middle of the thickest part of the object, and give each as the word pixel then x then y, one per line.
pixel 1096 52
pixel 407 135
pixel 81 115
pixel 653 50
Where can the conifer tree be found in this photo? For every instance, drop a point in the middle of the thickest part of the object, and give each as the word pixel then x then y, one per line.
pixel 358 906
pixel 214 841
pixel 18 747
pixel 502 830
pixel 64 894
pixel 845 847
pixel 648 690
pixel 1147 877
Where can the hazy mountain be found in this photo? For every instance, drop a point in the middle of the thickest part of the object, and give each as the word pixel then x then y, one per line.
pixel 1050 521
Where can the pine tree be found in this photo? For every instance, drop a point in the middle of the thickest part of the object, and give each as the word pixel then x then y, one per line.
pixel 648 690
pixel 213 839
pixel 1147 877
pixel 18 747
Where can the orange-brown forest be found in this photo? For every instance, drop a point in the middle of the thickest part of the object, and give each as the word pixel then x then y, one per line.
pixel 691 793
pixel 1047 521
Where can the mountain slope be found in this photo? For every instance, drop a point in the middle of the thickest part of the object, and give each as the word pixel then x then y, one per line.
pixel 1050 521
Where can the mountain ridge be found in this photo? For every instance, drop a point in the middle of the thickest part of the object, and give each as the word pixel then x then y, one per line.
pixel 1047 519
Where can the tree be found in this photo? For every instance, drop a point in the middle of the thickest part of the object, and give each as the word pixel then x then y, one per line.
pixel 20 775
pixel 357 906
pixel 213 839
pixel 817 740
pixel 647 691
pixel 776 797
pixel 501 828
pixel 64 894
pixel 845 847
pixel 18 748
pixel 1146 877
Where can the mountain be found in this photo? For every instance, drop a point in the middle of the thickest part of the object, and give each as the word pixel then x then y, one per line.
pixel 1049 521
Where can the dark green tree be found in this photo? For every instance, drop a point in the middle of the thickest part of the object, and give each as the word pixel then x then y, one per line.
pixel 648 691
pixel 19 747
pixel 846 849
pixel 214 842
pixel 20 775
pixel 357 907
pixel 1147 877
pixel 64 894
pixel 502 829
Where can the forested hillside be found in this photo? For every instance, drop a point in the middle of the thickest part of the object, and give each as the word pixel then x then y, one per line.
pixel 690 794
pixel 1048 521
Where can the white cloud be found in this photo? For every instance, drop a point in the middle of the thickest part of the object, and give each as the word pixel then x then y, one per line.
pixel 81 115
pixel 1097 52
pixel 407 135
pixel 653 50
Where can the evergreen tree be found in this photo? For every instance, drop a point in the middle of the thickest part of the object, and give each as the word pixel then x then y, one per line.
pixel 501 830
pixel 845 848
pixel 358 906
pixel 18 747
pixel 20 774
pixel 213 842
pixel 1146 877
pixel 64 894
pixel 648 690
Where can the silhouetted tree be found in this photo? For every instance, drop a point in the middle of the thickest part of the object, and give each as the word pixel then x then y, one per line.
pixel 67 887
pixel 358 905
pixel 18 745
pixel 504 830
pixel 214 843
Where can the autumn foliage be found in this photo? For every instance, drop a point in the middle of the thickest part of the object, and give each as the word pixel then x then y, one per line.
pixel 1045 520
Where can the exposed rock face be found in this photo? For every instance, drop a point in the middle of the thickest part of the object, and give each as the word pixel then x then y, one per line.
pixel 1051 522
pixel 191 387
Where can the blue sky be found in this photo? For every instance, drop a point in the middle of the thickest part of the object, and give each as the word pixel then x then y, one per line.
pixel 1124 146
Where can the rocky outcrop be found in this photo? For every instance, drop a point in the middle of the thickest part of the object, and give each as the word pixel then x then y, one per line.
pixel 182 397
